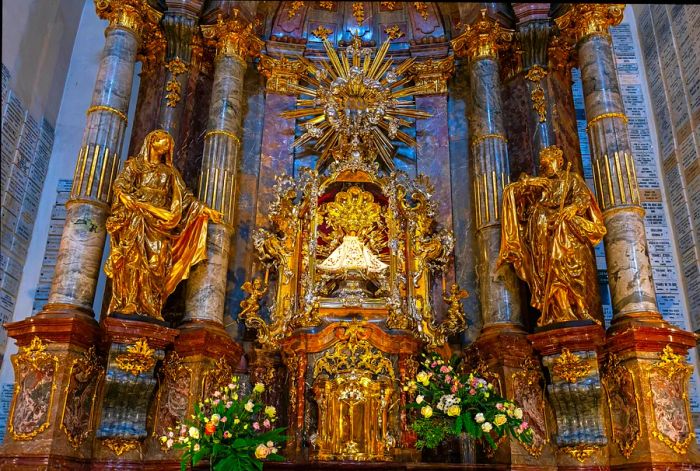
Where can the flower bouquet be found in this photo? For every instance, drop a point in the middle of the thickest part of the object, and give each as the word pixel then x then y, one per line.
pixel 235 433
pixel 451 404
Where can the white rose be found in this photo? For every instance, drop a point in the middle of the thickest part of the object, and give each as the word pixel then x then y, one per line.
pixel 518 413
pixel 486 427
pixel 419 399
pixel 194 432
pixel 479 418
pixel 249 406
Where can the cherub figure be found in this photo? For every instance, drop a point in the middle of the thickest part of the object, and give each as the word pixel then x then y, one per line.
pixel 250 306
pixel 455 312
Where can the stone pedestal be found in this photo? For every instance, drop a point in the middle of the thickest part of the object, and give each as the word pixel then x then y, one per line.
pixel 134 349
pixel 645 376
pixel 506 359
pixel 571 354
pixel 56 375
pixel 203 359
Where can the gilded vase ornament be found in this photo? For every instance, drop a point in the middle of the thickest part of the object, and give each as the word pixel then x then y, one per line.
pixel 550 224
pixel 158 230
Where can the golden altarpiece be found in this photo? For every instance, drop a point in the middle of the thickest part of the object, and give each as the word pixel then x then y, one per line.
pixel 354 251
pixel 345 269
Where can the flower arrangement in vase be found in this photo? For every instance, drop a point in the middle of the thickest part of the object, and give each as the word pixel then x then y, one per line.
pixel 234 432
pixel 451 404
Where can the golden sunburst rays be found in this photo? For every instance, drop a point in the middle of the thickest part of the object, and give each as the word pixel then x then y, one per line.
pixel 356 102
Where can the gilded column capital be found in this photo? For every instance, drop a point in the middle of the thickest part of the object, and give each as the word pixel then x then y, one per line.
pixel 432 75
pixel 483 38
pixel 280 73
pixel 132 15
pixel 587 19
pixel 233 37
pixel 561 53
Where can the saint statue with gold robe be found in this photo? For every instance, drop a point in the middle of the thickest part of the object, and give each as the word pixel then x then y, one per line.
pixel 550 224
pixel 158 230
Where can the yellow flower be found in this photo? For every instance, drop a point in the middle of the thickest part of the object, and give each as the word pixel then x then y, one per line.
pixel 453 410
pixel 426 411
pixel 194 432
pixel 270 411
pixel 486 427
pixel 262 451
pixel 500 419
pixel 419 399
pixel 423 377
pixel 236 421
pixel 259 387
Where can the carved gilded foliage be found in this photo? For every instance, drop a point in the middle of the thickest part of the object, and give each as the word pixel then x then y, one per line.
pixel 668 383
pixel 138 358
pixel 571 367
pixel 173 392
pixel 216 377
pixel 623 404
pixel 76 418
pixel 35 386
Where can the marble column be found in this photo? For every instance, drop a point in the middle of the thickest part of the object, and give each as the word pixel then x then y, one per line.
pixel 627 256
pixel 64 336
pixel 498 291
pixel 83 239
pixel 644 372
pixel 179 27
pixel 206 288
pixel 501 352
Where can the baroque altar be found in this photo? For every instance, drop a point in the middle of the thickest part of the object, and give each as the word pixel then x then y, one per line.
pixel 352 259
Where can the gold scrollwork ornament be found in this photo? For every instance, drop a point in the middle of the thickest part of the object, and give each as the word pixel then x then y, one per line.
pixel 623 405
pixel 121 445
pixel 570 367
pixel 137 359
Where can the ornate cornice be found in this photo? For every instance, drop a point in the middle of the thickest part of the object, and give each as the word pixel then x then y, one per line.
pixel 433 75
pixel 280 73
pixel 588 19
pixel 485 37
pixel 233 37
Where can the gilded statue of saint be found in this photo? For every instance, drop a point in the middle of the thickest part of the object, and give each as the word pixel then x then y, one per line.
pixel 550 223
pixel 158 230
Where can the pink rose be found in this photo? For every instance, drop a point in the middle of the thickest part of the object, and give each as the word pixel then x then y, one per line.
pixel 472 391
pixel 223 419
pixel 444 369
pixel 454 388
pixel 499 406
pixel 433 365
pixel 448 379
pixel 266 423
pixel 524 425
pixel 256 426
pixel 215 402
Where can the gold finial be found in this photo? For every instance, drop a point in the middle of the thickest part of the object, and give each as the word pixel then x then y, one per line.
pixel 483 38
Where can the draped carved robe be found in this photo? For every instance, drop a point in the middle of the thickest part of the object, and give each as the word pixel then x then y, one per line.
pixel 551 249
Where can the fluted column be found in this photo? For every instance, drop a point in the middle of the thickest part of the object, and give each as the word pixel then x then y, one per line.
pixel 234 42
pixel 629 269
pixel 82 243
pixel 498 291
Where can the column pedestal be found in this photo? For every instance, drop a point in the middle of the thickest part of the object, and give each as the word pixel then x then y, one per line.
pixel 571 354
pixel 56 375
pixel 203 359
pixel 505 358
pixel 134 348
pixel 645 376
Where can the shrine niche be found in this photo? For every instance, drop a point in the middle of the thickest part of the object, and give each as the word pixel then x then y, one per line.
pixel 352 258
